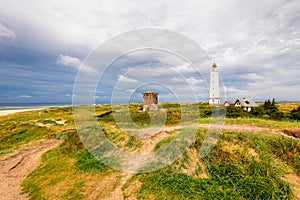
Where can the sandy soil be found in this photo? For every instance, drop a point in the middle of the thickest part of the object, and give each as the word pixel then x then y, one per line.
pixel 7 112
pixel 294 180
pixel 252 129
pixel 117 193
pixel 153 135
pixel 15 166
pixel 150 136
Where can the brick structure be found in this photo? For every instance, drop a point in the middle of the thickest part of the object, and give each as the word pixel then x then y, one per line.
pixel 150 100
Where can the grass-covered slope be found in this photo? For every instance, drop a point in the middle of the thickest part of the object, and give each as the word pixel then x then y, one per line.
pixel 242 165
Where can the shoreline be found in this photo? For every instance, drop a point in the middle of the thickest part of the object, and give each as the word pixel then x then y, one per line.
pixel 11 111
pixel 7 112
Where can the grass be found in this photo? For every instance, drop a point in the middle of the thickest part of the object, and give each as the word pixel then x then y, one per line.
pixel 64 172
pixel 242 165
pixel 21 128
pixel 264 122
pixel 288 106
pixel 234 173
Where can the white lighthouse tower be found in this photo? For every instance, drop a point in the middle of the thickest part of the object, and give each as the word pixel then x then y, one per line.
pixel 214 87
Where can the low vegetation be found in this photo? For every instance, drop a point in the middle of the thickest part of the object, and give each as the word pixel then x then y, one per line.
pixel 242 164
pixel 268 110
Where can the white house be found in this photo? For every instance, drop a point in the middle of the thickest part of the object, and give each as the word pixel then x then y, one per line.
pixel 245 103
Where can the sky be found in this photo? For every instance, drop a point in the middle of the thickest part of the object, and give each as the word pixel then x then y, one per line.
pixel 44 44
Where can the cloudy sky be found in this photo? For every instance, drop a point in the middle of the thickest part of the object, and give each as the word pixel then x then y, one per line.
pixel 256 45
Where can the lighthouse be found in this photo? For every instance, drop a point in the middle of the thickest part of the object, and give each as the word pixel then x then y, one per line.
pixel 214 87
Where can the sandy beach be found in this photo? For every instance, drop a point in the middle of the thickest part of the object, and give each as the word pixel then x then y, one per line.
pixel 7 112
pixel 13 109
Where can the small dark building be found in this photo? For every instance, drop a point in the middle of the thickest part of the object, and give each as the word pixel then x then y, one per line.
pixel 150 100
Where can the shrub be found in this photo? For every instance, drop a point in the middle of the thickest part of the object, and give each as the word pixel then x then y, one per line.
pixel 233 112
pixel 295 113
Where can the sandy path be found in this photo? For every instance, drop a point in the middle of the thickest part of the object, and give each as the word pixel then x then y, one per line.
pixel 17 165
pixel 150 136
pixel 294 180
pixel 117 193
pixel 251 128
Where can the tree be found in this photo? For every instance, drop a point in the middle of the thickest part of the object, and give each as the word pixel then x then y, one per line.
pixel 272 110
pixel 258 111
pixel 232 112
pixel 295 113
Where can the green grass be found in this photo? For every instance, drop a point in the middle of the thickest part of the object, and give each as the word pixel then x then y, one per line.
pixel 164 142
pixel 264 122
pixel 233 175
pixel 242 165
pixel 21 128
pixel 71 162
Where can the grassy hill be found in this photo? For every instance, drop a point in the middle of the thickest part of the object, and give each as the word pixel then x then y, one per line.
pixel 253 158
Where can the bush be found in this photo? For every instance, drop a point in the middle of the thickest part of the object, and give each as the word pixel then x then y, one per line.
pixel 269 109
pixel 258 111
pixel 233 112
pixel 295 113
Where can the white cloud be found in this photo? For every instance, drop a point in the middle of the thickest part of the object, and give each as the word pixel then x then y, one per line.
pixel 68 61
pixel 130 90
pixel 24 96
pixel 6 33
pixel 184 68
pixel 76 62
pixel 125 79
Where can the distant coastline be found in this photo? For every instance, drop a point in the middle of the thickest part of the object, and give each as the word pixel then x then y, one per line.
pixel 9 108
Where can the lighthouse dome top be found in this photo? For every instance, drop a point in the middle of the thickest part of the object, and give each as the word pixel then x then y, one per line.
pixel 214 65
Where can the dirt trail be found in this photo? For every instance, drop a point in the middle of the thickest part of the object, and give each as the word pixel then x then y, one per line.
pixel 150 136
pixel 252 128
pixel 154 136
pixel 15 166
pixel 117 193
pixel 294 180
